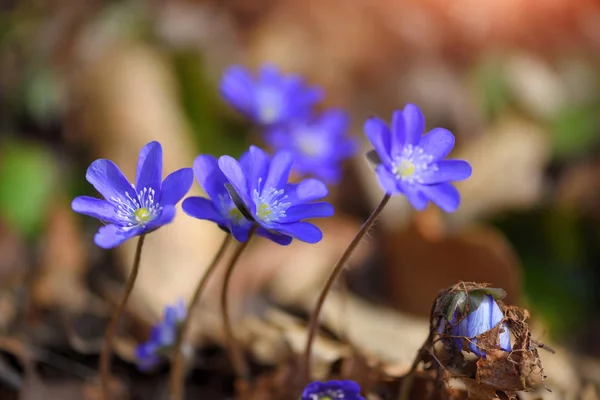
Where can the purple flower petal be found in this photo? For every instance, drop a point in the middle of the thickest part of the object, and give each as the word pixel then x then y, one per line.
pixel 308 210
pixel 505 338
pixel 414 196
pixel 387 180
pixel 278 238
pixel 304 231
pixel 379 135
pixel 279 170
pixel 111 236
pixel 209 176
pixel 176 185
pixel 202 208
pixel 237 89
pixel 236 176
pixel 109 181
pixel 258 163
pixel 149 168
pixel 448 170
pixel 167 215
pixel 414 124
pixel 305 191
pixel 444 195
pixel 97 208
pixel 437 143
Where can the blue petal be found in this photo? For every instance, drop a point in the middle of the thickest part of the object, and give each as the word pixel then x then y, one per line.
pixel 437 143
pixel 269 75
pixel 176 185
pixel 110 236
pixel 505 339
pixel 305 191
pixel 209 176
pixel 443 194
pixel 276 237
pixel 149 168
pixel 235 175
pixel 201 208
pixel 175 314
pixel 167 215
pixel 240 231
pixel 414 124
pixel 304 231
pixel 414 196
pixel 109 181
pixel 97 208
pixel 237 89
pixel 334 122
pixel 379 135
pixel 279 170
pixel 256 163
pixel 398 137
pixel 448 171
pixel 306 211
pixel 479 321
pixel 387 180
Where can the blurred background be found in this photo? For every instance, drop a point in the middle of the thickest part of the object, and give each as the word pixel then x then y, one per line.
pixel 517 82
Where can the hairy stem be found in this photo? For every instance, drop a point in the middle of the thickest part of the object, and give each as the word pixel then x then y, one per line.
pixel 235 352
pixel 105 355
pixel 337 269
pixel 177 370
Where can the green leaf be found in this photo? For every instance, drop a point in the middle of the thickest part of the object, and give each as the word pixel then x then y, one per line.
pixel 27 179
pixel 574 130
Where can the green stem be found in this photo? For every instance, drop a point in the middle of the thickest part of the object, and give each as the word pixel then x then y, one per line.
pixel 177 370
pixel 337 269
pixel 105 354
pixel 235 352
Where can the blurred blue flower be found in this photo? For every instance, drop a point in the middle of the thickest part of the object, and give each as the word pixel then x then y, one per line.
pixel 278 207
pixel 133 209
pixel 481 320
pixel 271 98
pixel 412 164
pixel 162 337
pixel 219 208
pixel 319 145
pixel 332 390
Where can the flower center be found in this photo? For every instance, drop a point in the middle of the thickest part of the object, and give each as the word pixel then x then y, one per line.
pixel 229 210
pixel 411 164
pixel 270 205
pixel 139 210
pixel 329 395
pixel 269 104
pixel 310 143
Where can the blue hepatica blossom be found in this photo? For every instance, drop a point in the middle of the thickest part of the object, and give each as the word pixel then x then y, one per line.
pixel 332 390
pixel 271 97
pixel 414 165
pixel 319 145
pixel 133 209
pixel 162 337
pixel 278 207
pixel 219 208
pixel 484 318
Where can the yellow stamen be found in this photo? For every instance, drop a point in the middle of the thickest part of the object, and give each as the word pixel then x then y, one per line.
pixel 405 169
pixel 142 215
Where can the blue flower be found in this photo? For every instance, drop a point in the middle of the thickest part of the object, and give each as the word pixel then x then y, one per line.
pixel 219 208
pixel 270 99
pixel 332 390
pixel 485 317
pixel 319 145
pixel 412 164
pixel 133 209
pixel 278 207
pixel 162 337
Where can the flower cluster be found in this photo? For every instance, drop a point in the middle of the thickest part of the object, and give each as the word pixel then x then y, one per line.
pixel 282 105
pixel 162 337
pixel 332 390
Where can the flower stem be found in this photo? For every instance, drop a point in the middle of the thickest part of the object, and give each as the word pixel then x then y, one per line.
pixel 337 269
pixel 236 354
pixel 105 354
pixel 177 373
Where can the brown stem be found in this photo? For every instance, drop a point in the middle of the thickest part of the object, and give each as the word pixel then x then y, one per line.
pixel 236 354
pixel 177 370
pixel 337 269
pixel 105 355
